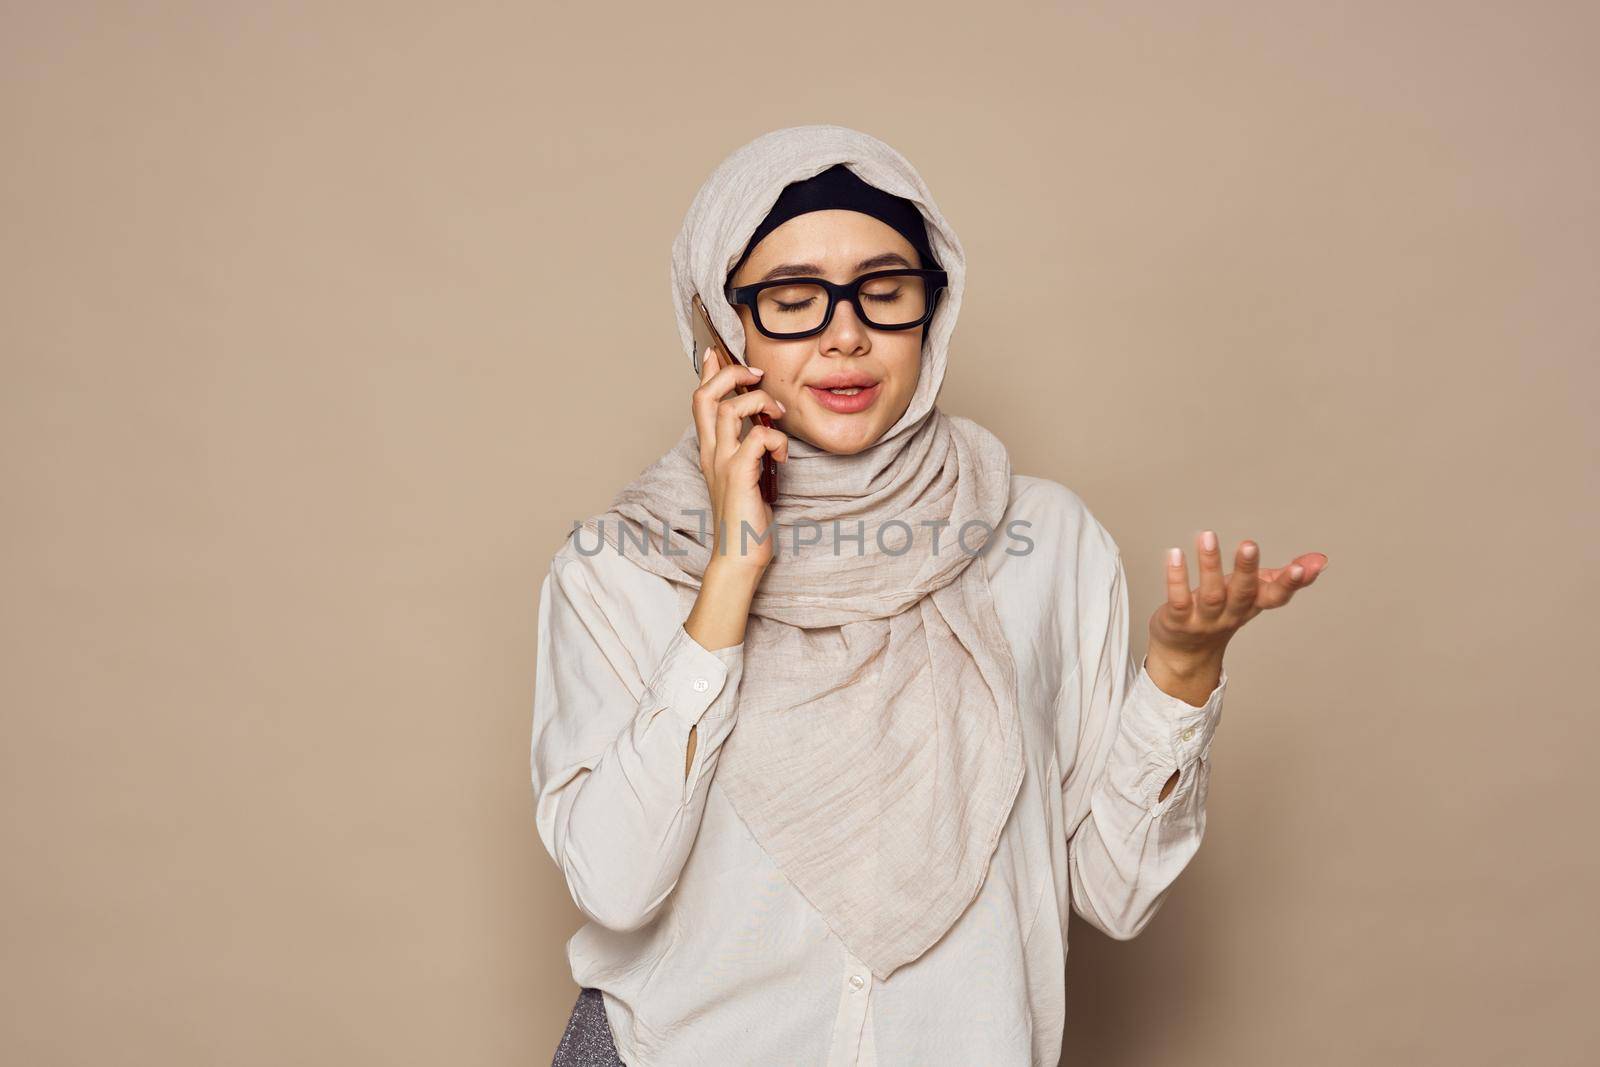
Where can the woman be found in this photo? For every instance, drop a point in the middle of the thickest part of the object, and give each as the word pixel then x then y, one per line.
pixel 828 776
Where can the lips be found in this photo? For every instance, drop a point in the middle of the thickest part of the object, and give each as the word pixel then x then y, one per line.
pixel 865 395
pixel 844 380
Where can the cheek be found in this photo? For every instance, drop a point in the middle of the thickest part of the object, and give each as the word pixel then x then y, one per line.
pixel 908 369
pixel 780 369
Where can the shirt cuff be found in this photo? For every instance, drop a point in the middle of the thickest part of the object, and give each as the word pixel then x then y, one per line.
pixel 1170 726
pixel 691 678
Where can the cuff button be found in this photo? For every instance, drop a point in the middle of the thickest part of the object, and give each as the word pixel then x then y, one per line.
pixel 701 685
pixel 1188 735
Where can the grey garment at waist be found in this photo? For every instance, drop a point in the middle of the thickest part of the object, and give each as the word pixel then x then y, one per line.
pixel 587 1041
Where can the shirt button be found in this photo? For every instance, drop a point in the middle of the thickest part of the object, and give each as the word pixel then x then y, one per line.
pixel 856 981
pixel 1188 734
pixel 701 685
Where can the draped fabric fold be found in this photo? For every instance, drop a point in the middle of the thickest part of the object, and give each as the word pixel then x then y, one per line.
pixel 878 747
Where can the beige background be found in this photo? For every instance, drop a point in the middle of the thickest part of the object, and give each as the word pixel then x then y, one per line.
pixel 322 323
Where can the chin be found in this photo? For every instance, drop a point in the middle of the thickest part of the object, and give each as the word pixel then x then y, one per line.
pixel 845 442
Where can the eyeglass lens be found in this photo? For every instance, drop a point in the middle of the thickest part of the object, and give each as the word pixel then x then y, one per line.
pixel 892 300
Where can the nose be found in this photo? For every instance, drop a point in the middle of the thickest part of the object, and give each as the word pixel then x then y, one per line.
pixel 846 334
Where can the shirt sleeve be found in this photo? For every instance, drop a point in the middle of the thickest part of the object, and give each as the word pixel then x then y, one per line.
pixel 614 806
pixel 1127 846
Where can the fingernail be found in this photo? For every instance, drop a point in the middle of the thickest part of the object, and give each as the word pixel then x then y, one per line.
pixel 1175 557
pixel 1208 540
pixel 1297 572
pixel 1249 550
pixel 781 405
pixel 757 370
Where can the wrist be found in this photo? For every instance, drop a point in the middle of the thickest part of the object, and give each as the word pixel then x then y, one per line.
pixel 1185 664
pixel 720 612
pixel 1189 676
pixel 732 574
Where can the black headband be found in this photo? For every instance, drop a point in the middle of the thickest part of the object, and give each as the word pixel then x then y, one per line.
pixel 839 187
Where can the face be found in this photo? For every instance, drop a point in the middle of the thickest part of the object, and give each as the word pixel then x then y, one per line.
pixel 881 366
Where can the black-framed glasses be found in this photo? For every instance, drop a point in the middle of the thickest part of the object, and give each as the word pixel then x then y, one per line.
pixel 895 299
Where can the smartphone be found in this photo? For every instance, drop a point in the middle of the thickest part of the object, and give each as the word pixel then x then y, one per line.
pixel 769 466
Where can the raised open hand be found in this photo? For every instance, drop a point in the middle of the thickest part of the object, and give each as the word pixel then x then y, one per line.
pixel 1189 632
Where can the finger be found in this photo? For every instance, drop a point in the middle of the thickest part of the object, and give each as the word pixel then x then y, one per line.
pixel 716 383
pixel 745 406
pixel 705 414
pixel 720 384
pixel 1314 563
pixel 1245 580
pixel 719 387
pixel 736 408
pixel 747 458
pixel 1213 595
pixel 1279 584
pixel 1178 594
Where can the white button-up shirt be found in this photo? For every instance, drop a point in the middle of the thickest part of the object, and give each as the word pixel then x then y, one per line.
pixel 706 954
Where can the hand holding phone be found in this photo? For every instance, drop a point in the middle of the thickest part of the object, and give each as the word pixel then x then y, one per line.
pixel 731 462
pixel 769 466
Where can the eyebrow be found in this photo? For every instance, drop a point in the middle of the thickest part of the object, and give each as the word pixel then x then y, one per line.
pixel 811 270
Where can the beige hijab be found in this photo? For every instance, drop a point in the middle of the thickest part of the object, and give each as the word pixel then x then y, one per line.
pixel 877 749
